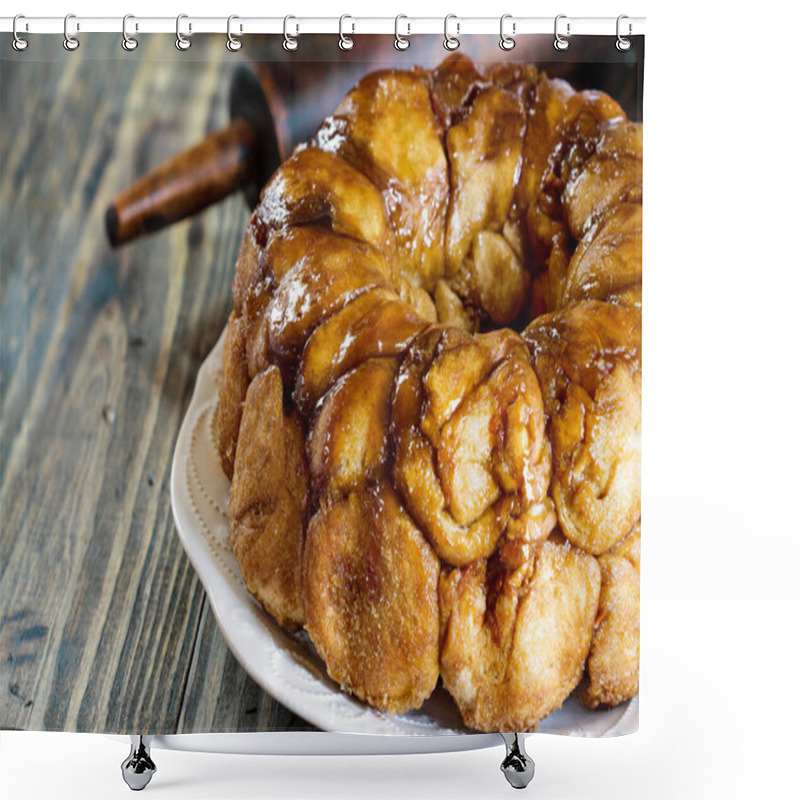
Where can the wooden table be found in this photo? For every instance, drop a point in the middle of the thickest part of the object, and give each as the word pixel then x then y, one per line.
pixel 103 623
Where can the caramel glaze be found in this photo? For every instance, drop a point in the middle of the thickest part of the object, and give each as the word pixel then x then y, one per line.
pixel 458 479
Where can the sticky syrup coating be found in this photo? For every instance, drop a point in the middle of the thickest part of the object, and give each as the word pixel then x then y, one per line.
pixel 432 382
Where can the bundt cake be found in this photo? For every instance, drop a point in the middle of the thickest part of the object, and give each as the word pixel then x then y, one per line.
pixel 430 408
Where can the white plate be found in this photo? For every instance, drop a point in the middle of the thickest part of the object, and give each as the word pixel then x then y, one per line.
pixel 285 665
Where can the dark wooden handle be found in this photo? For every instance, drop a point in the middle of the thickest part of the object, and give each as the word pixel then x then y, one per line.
pixel 184 185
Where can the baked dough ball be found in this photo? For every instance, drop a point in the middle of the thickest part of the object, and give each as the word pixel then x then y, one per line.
pixel 515 640
pixel 612 668
pixel 370 590
pixel 269 500
pixel 588 361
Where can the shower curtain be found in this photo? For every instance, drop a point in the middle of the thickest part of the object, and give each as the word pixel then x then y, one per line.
pixel 124 607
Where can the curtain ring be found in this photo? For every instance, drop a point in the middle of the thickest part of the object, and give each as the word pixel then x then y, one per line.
pixel 289 42
pixel 234 44
pixel 19 44
pixel 560 42
pixel 181 42
pixel 345 42
pixel 70 42
pixel 623 44
pixel 400 42
pixel 128 42
pixel 451 42
pixel 506 42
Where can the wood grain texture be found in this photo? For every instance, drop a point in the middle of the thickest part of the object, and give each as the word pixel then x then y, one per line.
pixel 104 626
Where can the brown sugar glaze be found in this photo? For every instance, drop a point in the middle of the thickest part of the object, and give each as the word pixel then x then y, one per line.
pixel 439 296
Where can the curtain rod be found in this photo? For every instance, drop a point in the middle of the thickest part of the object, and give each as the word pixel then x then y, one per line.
pixel 74 25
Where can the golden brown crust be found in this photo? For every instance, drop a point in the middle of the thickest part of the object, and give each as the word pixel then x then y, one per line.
pixel 269 500
pixel 515 641
pixel 484 152
pixel 450 309
pixel 537 199
pixel 327 272
pixel 398 147
pixel 370 589
pixel 349 443
pixel 471 457
pixel 248 261
pixel 429 208
pixel 485 149
pixel 605 170
pixel 612 668
pixel 608 259
pixel 374 324
pixel 629 296
pixel 228 416
pixel 588 362
pixel 315 186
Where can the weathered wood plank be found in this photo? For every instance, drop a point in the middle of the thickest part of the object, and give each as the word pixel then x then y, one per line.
pixel 103 624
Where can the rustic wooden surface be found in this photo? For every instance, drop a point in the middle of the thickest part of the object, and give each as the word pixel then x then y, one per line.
pixel 103 623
